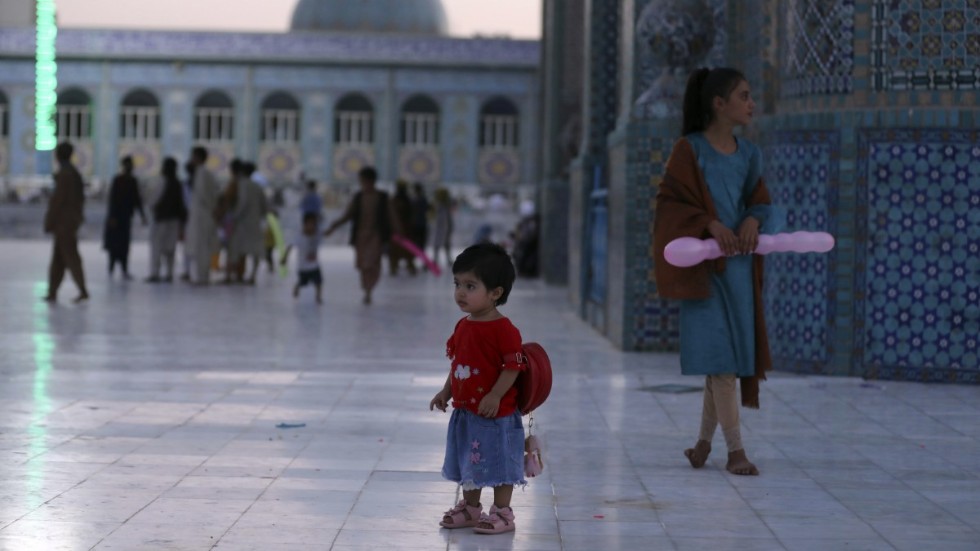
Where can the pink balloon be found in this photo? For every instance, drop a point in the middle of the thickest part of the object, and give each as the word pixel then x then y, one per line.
pixel 410 247
pixel 688 251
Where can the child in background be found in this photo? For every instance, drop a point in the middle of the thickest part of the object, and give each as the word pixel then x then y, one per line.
pixel 308 245
pixel 485 441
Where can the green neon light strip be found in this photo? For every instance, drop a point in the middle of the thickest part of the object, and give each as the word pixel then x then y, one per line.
pixel 46 77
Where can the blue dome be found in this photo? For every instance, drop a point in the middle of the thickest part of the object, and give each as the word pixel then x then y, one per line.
pixel 423 17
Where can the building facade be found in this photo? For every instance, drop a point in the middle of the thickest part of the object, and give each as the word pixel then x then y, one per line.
pixel 372 84
pixel 868 121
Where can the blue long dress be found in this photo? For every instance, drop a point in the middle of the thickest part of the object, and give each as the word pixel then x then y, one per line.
pixel 718 333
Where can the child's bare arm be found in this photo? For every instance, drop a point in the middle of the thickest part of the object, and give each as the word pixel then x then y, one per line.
pixel 490 403
pixel 285 254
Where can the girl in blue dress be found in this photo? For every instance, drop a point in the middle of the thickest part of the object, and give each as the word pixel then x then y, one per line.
pixel 713 188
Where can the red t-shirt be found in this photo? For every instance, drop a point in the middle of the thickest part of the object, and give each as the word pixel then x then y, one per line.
pixel 477 350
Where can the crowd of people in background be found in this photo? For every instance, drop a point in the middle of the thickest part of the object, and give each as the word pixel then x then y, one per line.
pixel 227 217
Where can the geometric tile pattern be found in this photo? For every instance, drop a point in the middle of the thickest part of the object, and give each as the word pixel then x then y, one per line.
pixel 819 47
pixel 654 321
pixel 498 166
pixel 603 53
pixel 802 177
pixel 421 163
pixel 925 44
pixel 920 193
pixel 279 161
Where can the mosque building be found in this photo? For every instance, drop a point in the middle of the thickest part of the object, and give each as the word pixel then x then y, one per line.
pixel 867 118
pixel 373 82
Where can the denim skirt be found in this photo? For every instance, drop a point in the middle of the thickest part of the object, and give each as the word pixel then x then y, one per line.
pixel 482 452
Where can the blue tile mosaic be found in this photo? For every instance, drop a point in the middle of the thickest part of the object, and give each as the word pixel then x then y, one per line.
pixel 919 259
pixel 654 321
pixel 925 44
pixel 603 96
pixel 819 47
pixel 802 176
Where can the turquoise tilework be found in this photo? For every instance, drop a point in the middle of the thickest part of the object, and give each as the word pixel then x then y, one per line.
pixel 925 44
pixel 802 176
pixel 819 47
pixel 651 321
pixel 919 266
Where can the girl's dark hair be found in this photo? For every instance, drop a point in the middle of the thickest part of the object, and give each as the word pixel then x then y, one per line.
pixel 703 86
pixel 491 264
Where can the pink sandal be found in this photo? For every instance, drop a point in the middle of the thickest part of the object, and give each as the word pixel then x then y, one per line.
pixel 501 520
pixel 462 516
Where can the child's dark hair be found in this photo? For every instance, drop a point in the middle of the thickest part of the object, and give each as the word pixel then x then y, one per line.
pixel 310 217
pixel 703 86
pixel 368 173
pixel 491 264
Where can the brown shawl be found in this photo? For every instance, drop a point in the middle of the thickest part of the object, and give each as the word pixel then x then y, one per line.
pixel 684 208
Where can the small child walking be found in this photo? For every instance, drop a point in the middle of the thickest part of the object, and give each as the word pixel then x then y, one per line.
pixel 485 440
pixel 308 246
pixel 713 187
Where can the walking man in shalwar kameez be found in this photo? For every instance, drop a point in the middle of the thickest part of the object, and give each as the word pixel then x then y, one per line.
pixel 372 222
pixel 201 239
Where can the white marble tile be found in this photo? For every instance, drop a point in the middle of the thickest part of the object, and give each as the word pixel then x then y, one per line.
pixel 146 419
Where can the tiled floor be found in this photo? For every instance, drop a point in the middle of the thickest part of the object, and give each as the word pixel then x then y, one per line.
pixel 146 419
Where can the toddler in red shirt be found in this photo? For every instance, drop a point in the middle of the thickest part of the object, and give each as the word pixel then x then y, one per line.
pixel 485 441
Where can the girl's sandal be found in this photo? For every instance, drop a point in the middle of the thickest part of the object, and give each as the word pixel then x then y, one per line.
pixel 462 516
pixel 498 521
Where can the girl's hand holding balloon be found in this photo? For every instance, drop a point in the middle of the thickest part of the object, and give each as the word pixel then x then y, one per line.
pixel 748 235
pixel 726 239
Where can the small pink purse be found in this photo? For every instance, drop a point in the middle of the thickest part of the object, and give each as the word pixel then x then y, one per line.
pixel 533 463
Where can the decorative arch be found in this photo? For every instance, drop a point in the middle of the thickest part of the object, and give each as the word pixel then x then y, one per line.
pixel 420 103
pixel 499 105
pixel 140 97
pixel 499 123
pixel 280 100
pixel 214 117
pixel 139 116
pixel 73 116
pixel 214 99
pixel 355 102
pixel 354 120
pixel 419 122
pixel 74 96
pixel 280 118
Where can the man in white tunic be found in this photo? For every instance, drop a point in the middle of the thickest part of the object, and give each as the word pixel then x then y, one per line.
pixel 202 236
pixel 247 240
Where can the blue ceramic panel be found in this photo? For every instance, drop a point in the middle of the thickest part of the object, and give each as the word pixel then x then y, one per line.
pixel 802 175
pixel 819 47
pixel 921 275
pixel 926 44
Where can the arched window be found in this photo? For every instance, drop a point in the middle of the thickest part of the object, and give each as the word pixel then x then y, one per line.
pixel 499 124
pixel 139 116
pixel 420 122
pixel 73 116
pixel 4 116
pixel 280 119
pixel 214 118
pixel 354 121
